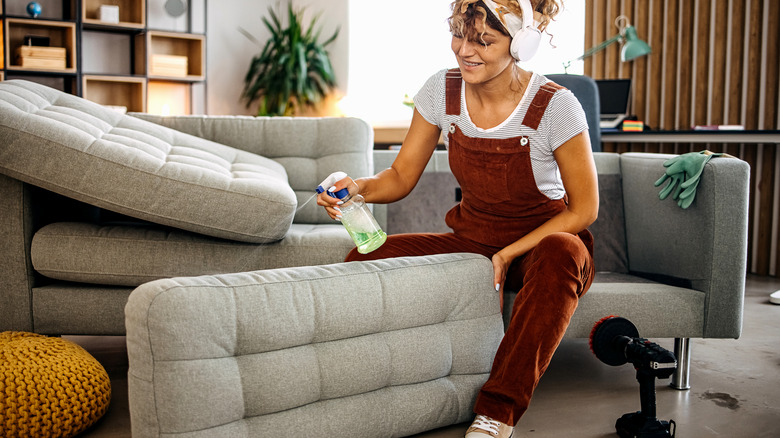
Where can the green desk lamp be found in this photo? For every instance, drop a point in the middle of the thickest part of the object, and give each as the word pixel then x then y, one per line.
pixel 633 47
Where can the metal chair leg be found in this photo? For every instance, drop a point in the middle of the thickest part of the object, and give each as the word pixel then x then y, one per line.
pixel 682 375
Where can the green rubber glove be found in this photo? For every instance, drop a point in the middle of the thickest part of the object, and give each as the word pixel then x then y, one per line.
pixel 684 172
pixel 675 180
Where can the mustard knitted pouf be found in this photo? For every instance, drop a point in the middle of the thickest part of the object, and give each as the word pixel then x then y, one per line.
pixel 49 387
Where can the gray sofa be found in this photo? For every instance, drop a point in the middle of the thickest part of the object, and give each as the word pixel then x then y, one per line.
pixel 96 205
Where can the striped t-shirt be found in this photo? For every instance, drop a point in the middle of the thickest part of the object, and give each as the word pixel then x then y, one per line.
pixel 563 120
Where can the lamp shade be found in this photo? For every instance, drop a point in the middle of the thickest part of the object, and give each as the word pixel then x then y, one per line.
pixel 633 46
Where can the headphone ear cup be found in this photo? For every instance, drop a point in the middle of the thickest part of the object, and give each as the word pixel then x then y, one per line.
pixel 525 43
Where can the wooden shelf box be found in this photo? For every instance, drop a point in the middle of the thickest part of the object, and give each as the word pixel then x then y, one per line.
pixel 166 54
pixel 116 91
pixel 62 36
pixel 132 13
pixel 169 98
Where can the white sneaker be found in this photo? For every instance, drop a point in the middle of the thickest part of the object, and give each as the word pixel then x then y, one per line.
pixel 484 427
pixel 775 297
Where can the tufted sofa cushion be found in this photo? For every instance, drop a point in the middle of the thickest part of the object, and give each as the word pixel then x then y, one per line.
pixel 82 150
pixel 321 146
pixel 132 254
pixel 384 348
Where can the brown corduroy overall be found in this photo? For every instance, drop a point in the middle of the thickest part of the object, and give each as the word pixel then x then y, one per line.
pixel 501 203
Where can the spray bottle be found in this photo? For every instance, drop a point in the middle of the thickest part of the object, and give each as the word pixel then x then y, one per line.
pixel 355 216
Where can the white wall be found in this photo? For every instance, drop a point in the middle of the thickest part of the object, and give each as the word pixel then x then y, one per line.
pixel 230 52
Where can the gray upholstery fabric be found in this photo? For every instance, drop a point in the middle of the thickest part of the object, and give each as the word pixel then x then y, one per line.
pixel 87 152
pixel 321 147
pixel 353 349
pixel 658 310
pixel 609 231
pixel 78 309
pixel 424 208
pixel 16 277
pixel 129 255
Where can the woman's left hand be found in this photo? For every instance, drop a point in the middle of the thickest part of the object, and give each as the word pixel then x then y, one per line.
pixel 500 267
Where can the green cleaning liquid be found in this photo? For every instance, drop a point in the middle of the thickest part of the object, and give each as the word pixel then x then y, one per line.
pixel 367 242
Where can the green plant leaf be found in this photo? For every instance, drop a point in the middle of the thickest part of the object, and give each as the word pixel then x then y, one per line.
pixel 293 69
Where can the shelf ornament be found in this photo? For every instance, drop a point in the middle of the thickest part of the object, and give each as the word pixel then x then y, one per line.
pixel 34 9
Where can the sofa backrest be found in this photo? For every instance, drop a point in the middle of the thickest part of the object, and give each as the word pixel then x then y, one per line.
pixel 355 349
pixel 310 149
pixel 82 150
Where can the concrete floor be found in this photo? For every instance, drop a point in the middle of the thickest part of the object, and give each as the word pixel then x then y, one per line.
pixel 735 389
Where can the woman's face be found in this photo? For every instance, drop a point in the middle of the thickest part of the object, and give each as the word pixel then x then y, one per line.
pixel 480 61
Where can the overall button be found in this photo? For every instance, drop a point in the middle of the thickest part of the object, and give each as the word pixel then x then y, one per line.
pixel 524 141
pixel 452 128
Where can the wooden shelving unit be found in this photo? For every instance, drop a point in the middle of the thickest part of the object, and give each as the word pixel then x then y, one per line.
pixel 161 66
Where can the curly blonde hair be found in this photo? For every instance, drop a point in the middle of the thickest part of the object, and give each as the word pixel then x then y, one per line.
pixel 465 13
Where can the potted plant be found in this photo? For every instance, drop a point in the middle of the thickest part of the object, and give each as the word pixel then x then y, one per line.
pixel 293 70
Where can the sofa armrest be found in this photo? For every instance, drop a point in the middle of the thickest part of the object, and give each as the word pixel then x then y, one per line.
pixel 16 274
pixel 704 246
pixel 309 148
pixel 24 209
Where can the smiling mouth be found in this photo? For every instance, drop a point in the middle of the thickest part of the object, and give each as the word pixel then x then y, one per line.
pixel 471 64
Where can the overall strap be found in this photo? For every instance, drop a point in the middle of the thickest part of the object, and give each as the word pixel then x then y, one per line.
pixel 453 85
pixel 539 104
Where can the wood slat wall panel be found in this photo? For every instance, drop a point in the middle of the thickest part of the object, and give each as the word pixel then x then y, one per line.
pixel 713 62
pixel 684 66
pixel 734 91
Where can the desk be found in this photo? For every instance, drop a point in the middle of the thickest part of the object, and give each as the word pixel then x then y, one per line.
pixel 749 137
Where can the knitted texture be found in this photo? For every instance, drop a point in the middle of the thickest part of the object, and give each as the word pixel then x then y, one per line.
pixel 49 387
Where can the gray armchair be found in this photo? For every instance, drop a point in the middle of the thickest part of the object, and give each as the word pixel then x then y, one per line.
pixel 586 91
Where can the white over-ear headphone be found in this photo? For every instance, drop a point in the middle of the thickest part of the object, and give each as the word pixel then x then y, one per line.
pixel 526 41
pixel 525 32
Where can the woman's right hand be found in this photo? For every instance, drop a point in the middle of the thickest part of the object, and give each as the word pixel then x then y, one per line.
pixel 332 184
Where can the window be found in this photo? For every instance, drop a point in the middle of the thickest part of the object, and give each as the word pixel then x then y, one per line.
pixel 393 50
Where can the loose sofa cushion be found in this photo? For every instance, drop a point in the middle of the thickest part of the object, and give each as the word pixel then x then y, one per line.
pixel 382 348
pixel 638 299
pixel 124 254
pixel 319 147
pixel 82 150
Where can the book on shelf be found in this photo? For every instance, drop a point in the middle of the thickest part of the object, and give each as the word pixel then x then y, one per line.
pixel 718 128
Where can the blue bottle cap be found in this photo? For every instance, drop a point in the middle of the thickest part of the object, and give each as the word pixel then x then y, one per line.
pixel 341 194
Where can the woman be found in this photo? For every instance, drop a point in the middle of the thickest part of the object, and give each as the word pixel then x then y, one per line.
pixel 518 146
